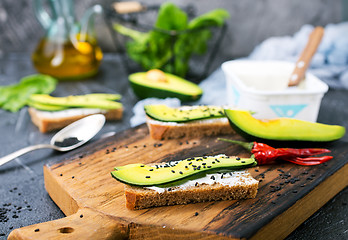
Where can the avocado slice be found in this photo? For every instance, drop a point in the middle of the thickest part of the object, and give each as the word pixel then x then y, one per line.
pixel 282 129
pixel 101 101
pixel 167 114
pixel 156 83
pixel 46 107
pixel 144 175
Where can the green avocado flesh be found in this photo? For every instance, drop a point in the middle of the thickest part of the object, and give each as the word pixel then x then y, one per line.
pixel 96 100
pixel 174 87
pixel 282 129
pixel 167 114
pixel 144 175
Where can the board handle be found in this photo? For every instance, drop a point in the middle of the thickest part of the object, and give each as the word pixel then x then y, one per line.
pixel 85 224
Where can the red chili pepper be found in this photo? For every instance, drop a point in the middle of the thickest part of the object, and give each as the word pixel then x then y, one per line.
pixel 265 154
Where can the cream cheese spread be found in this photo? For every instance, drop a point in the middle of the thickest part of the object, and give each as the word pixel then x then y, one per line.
pixel 69 112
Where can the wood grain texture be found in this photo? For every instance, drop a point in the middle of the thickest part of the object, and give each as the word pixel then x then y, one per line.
pixel 288 194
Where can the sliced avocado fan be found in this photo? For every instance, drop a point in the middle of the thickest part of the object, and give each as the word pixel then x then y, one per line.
pixel 96 100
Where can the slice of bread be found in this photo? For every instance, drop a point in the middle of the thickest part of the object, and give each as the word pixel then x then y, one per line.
pixel 213 187
pixel 48 121
pixel 198 128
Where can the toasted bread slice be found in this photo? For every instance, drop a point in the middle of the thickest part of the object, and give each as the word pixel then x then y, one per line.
pixel 198 128
pixel 213 187
pixel 49 121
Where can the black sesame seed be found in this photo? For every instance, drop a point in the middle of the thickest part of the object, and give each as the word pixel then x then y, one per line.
pixel 208 166
pixel 142 165
pixel 196 184
pixel 169 189
pixel 256 170
pixel 81 216
pixel 147 176
pixel 273 202
pixel 180 172
pixel 237 158
pixel 242 161
pixel 173 171
pixel 196 213
pixel 151 169
pixel 61 174
pixel 212 177
pixel 37 230
pixel 294 191
pixel 73 177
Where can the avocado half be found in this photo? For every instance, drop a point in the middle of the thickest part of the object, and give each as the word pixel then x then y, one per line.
pixel 156 83
pixel 282 129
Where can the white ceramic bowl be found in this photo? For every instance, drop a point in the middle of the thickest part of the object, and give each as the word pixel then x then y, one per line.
pixel 261 86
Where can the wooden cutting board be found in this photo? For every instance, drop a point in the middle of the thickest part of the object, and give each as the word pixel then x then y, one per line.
pixel 81 185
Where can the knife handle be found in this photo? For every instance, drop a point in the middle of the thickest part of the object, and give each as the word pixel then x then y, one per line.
pixel 84 224
pixel 304 61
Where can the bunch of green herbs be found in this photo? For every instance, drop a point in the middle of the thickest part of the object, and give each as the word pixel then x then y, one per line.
pixel 16 96
pixel 161 49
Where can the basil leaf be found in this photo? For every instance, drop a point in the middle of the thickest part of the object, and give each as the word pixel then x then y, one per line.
pixel 16 96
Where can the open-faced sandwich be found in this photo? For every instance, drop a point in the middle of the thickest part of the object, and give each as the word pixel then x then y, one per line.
pixel 188 121
pixel 192 180
pixel 52 113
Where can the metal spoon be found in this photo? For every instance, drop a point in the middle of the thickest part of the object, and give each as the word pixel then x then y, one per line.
pixel 82 131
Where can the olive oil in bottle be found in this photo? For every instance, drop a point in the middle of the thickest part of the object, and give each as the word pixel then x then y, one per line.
pixel 67 60
pixel 69 48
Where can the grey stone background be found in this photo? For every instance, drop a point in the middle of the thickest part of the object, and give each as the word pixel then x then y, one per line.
pixel 251 21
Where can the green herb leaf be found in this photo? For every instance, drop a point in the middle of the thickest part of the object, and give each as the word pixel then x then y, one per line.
pixel 162 49
pixel 14 97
